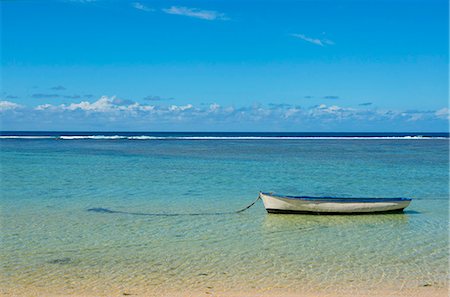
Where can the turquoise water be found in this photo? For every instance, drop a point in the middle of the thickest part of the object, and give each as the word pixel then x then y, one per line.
pixel 51 242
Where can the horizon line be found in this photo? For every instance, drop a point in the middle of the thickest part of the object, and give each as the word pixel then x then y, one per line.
pixel 277 132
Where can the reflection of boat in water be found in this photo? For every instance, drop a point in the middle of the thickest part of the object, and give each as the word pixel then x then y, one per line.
pixel 275 203
pixel 313 222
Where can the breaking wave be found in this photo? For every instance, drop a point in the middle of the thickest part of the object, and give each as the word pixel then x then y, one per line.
pixel 26 137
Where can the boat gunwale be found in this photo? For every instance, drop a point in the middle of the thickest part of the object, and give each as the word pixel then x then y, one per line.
pixel 337 199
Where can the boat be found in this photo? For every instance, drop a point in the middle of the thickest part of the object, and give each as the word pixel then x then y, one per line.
pixel 275 203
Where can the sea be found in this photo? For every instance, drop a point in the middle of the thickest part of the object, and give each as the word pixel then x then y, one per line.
pixel 120 213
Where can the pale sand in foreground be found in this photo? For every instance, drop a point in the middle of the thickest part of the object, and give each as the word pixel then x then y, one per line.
pixel 417 292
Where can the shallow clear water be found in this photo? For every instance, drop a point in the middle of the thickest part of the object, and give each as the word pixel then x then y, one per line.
pixel 50 240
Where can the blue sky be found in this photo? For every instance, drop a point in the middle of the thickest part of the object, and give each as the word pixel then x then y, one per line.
pixel 350 65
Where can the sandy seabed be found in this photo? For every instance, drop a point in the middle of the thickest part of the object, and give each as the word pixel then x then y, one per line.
pixel 269 292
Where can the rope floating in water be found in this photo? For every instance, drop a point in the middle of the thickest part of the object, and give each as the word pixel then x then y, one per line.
pixel 250 205
pixel 106 210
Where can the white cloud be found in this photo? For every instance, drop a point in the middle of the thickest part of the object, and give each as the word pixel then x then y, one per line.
pixel 180 108
pixel 316 41
pixel 8 105
pixel 324 110
pixel 145 107
pixel 214 107
pixel 103 105
pixel 129 114
pixel 141 6
pixel 46 107
pixel 292 112
pixel 415 117
pixel 443 113
pixel 209 15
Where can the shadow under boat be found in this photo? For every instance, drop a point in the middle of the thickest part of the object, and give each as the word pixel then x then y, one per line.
pixel 313 221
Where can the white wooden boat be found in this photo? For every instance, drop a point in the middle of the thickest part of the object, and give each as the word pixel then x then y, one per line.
pixel 275 203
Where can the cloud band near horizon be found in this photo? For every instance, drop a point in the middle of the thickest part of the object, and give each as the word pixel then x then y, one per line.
pixel 113 113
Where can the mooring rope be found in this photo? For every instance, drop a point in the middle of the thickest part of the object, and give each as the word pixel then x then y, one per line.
pixel 106 210
pixel 250 205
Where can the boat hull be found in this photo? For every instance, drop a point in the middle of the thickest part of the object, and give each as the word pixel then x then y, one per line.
pixel 330 205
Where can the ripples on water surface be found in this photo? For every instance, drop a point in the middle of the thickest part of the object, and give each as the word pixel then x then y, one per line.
pixel 50 241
